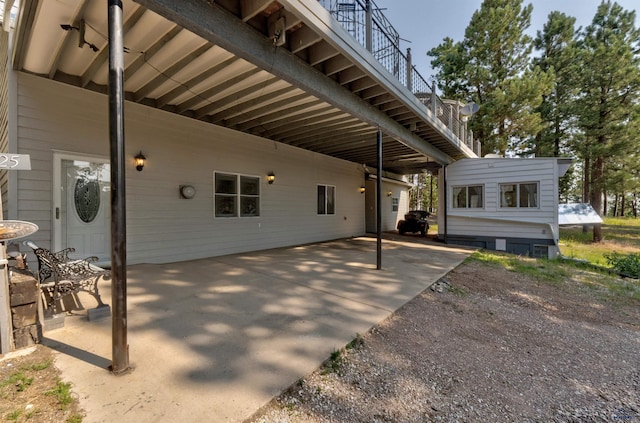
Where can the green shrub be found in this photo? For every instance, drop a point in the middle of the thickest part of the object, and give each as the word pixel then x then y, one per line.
pixel 626 265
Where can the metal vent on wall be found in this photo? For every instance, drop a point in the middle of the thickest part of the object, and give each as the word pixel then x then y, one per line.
pixel 541 251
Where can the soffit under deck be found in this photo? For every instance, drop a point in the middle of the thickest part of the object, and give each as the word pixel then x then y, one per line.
pixel 217 62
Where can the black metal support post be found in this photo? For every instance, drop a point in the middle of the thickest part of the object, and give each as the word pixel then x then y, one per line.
pixel 120 348
pixel 379 203
pixel 444 201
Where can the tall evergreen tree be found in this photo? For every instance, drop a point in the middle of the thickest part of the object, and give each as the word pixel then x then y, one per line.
pixel 622 173
pixel 491 67
pixel 556 44
pixel 609 95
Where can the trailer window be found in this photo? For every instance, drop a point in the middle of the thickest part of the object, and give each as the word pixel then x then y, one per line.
pixel 519 195
pixel 468 197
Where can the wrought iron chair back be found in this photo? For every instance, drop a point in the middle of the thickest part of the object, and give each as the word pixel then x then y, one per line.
pixel 60 276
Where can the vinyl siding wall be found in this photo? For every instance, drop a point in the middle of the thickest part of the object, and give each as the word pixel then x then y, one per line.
pixel 401 192
pixel 4 117
pixel 390 218
pixel 491 220
pixel 162 227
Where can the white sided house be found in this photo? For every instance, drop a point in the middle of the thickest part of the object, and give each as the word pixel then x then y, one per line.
pixel 258 122
pixel 504 204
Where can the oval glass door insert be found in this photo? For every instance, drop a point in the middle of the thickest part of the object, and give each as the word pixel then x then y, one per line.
pixel 87 199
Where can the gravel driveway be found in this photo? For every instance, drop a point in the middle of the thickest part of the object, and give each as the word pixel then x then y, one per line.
pixel 493 346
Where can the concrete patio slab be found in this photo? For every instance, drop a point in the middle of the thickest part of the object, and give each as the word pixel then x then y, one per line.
pixel 215 339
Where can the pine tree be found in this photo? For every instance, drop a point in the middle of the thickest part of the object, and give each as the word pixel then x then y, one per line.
pixel 556 44
pixel 491 67
pixel 609 94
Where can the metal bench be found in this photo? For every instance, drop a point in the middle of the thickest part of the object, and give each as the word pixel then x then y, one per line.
pixel 60 276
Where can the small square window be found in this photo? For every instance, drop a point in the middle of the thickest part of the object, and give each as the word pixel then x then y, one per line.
pixel 226 184
pixel 249 185
pixel 226 206
pixel 249 206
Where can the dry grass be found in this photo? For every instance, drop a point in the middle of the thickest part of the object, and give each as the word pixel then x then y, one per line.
pixel 31 389
pixel 619 235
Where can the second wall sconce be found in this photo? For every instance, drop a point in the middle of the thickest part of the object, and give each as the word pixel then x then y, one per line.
pixel 362 189
pixel 389 193
pixel 271 177
pixel 140 159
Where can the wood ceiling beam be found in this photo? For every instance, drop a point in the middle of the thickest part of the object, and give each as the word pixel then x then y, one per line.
pixel 241 95
pixel 220 86
pixel 281 117
pixel 299 100
pixel 336 64
pixel 193 82
pixel 309 138
pixel 349 75
pixel 103 55
pixel 218 26
pixel 69 38
pixel 362 84
pixel 267 100
pixel 326 127
pixel 170 72
pixel 302 38
pixel 301 117
pixel 321 52
pixel 251 8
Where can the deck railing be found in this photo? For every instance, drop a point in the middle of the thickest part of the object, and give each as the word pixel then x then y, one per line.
pixel 368 25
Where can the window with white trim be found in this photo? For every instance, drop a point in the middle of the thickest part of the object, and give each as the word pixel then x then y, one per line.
pixel 236 195
pixel 519 195
pixel 326 199
pixel 468 197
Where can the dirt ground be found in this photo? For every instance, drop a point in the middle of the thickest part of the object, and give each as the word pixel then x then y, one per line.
pixel 486 345
pixel 30 389
pixel 489 346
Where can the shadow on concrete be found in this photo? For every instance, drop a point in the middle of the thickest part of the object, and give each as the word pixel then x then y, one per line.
pixel 217 338
pixel 77 353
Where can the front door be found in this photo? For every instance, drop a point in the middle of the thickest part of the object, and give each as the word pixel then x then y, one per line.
pixel 82 209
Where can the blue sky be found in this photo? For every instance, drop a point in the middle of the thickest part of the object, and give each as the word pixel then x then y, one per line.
pixel 426 22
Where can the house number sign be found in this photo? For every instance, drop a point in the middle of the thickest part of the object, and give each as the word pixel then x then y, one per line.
pixel 15 161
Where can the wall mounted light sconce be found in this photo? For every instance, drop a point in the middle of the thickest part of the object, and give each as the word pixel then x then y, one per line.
pixel 362 189
pixel 389 193
pixel 271 177
pixel 140 158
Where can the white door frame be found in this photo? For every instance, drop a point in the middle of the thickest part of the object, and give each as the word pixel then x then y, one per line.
pixel 58 156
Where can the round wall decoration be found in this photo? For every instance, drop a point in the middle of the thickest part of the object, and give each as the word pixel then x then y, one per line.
pixel 187 191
